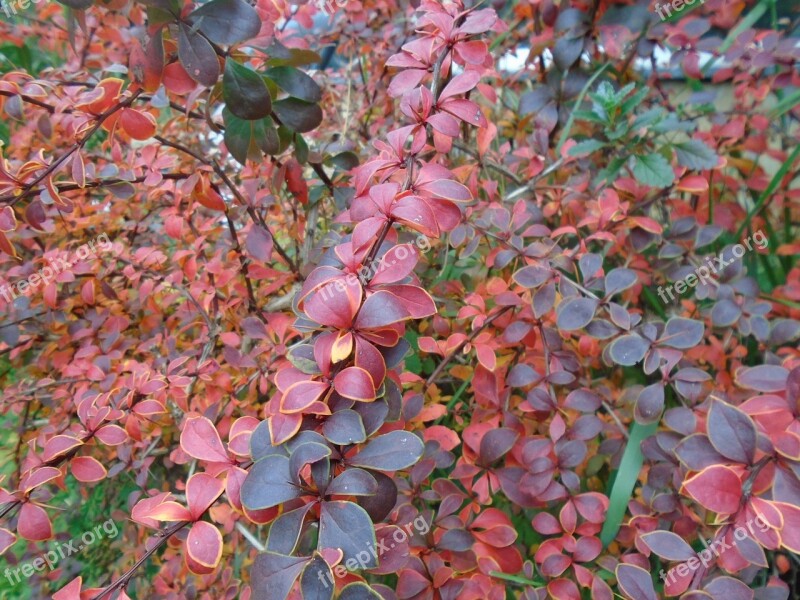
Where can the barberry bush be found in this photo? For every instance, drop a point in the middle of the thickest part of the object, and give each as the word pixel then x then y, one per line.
pixel 400 300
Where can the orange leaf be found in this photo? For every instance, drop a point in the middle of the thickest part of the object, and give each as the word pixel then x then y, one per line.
pixel 139 125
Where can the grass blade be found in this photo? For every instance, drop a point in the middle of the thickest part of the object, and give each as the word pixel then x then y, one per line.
pixel 626 477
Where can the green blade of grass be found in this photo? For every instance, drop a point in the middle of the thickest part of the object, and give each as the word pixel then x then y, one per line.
pixel 762 199
pixel 785 105
pixel 626 477
pixel 568 127
pixel 745 24
pixel 515 579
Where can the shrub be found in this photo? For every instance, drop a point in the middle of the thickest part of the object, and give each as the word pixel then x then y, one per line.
pixel 371 300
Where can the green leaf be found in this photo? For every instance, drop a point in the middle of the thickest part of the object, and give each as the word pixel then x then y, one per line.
pixel 568 127
pixel 248 139
pixel 653 169
pixel 227 21
pixel 648 118
pixel 634 100
pixel 586 147
pixel 77 4
pixel 280 55
pixel 300 148
pixel 245 92
pixel 161 13
pixel 588 115
pixel 295 83
pixel 626 477
pixel 604 95
pixel 622 93
pixel 344 161
pixel 298 115
pixel 694 154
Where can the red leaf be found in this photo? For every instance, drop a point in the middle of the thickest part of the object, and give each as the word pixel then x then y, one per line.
pixel 334 306
pixel 112 435
pixel 202 490
pixel 59 445
pixel 460 84
pixel 159 508
pixel 790 532
pixel 203 548
pixel 7 539
pixel 415 300
pixel 717 488
pixel 283 427
pixel 87 469
pixel 302 395
pixel 355 383
pixel 381 309
pixel 396 264
pixel 71 591
pixel 139 125
pixel 200 440
pixel 177 80
pixel 563 589
pixel 34 524
pixel 295 182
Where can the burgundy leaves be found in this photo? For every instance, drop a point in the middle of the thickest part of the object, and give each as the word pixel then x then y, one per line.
pixel 732 432
pixel 311 477
pixel 220 22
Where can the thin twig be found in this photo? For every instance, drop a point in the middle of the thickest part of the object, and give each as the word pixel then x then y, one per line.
pixel 448 359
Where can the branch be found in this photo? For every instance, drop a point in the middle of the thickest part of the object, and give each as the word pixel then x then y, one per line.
pixel 238 195
pixel 12 199
pixel 449 358
pixel 532 183
pixel 123 581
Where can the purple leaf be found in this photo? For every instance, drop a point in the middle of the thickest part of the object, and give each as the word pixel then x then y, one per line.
pixel 390 452
pixel 668 545
pixel 731 432
pixel 347 526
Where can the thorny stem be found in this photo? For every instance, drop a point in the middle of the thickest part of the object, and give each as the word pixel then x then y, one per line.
pixel 126 577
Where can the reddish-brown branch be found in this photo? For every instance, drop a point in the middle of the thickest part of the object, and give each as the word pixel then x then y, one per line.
pixel 238 195
pixel 449 358
pixel 253 305
pixel 126 577
pixel 12 199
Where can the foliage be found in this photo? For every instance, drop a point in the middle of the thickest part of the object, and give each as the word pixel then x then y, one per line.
pixel 335 302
